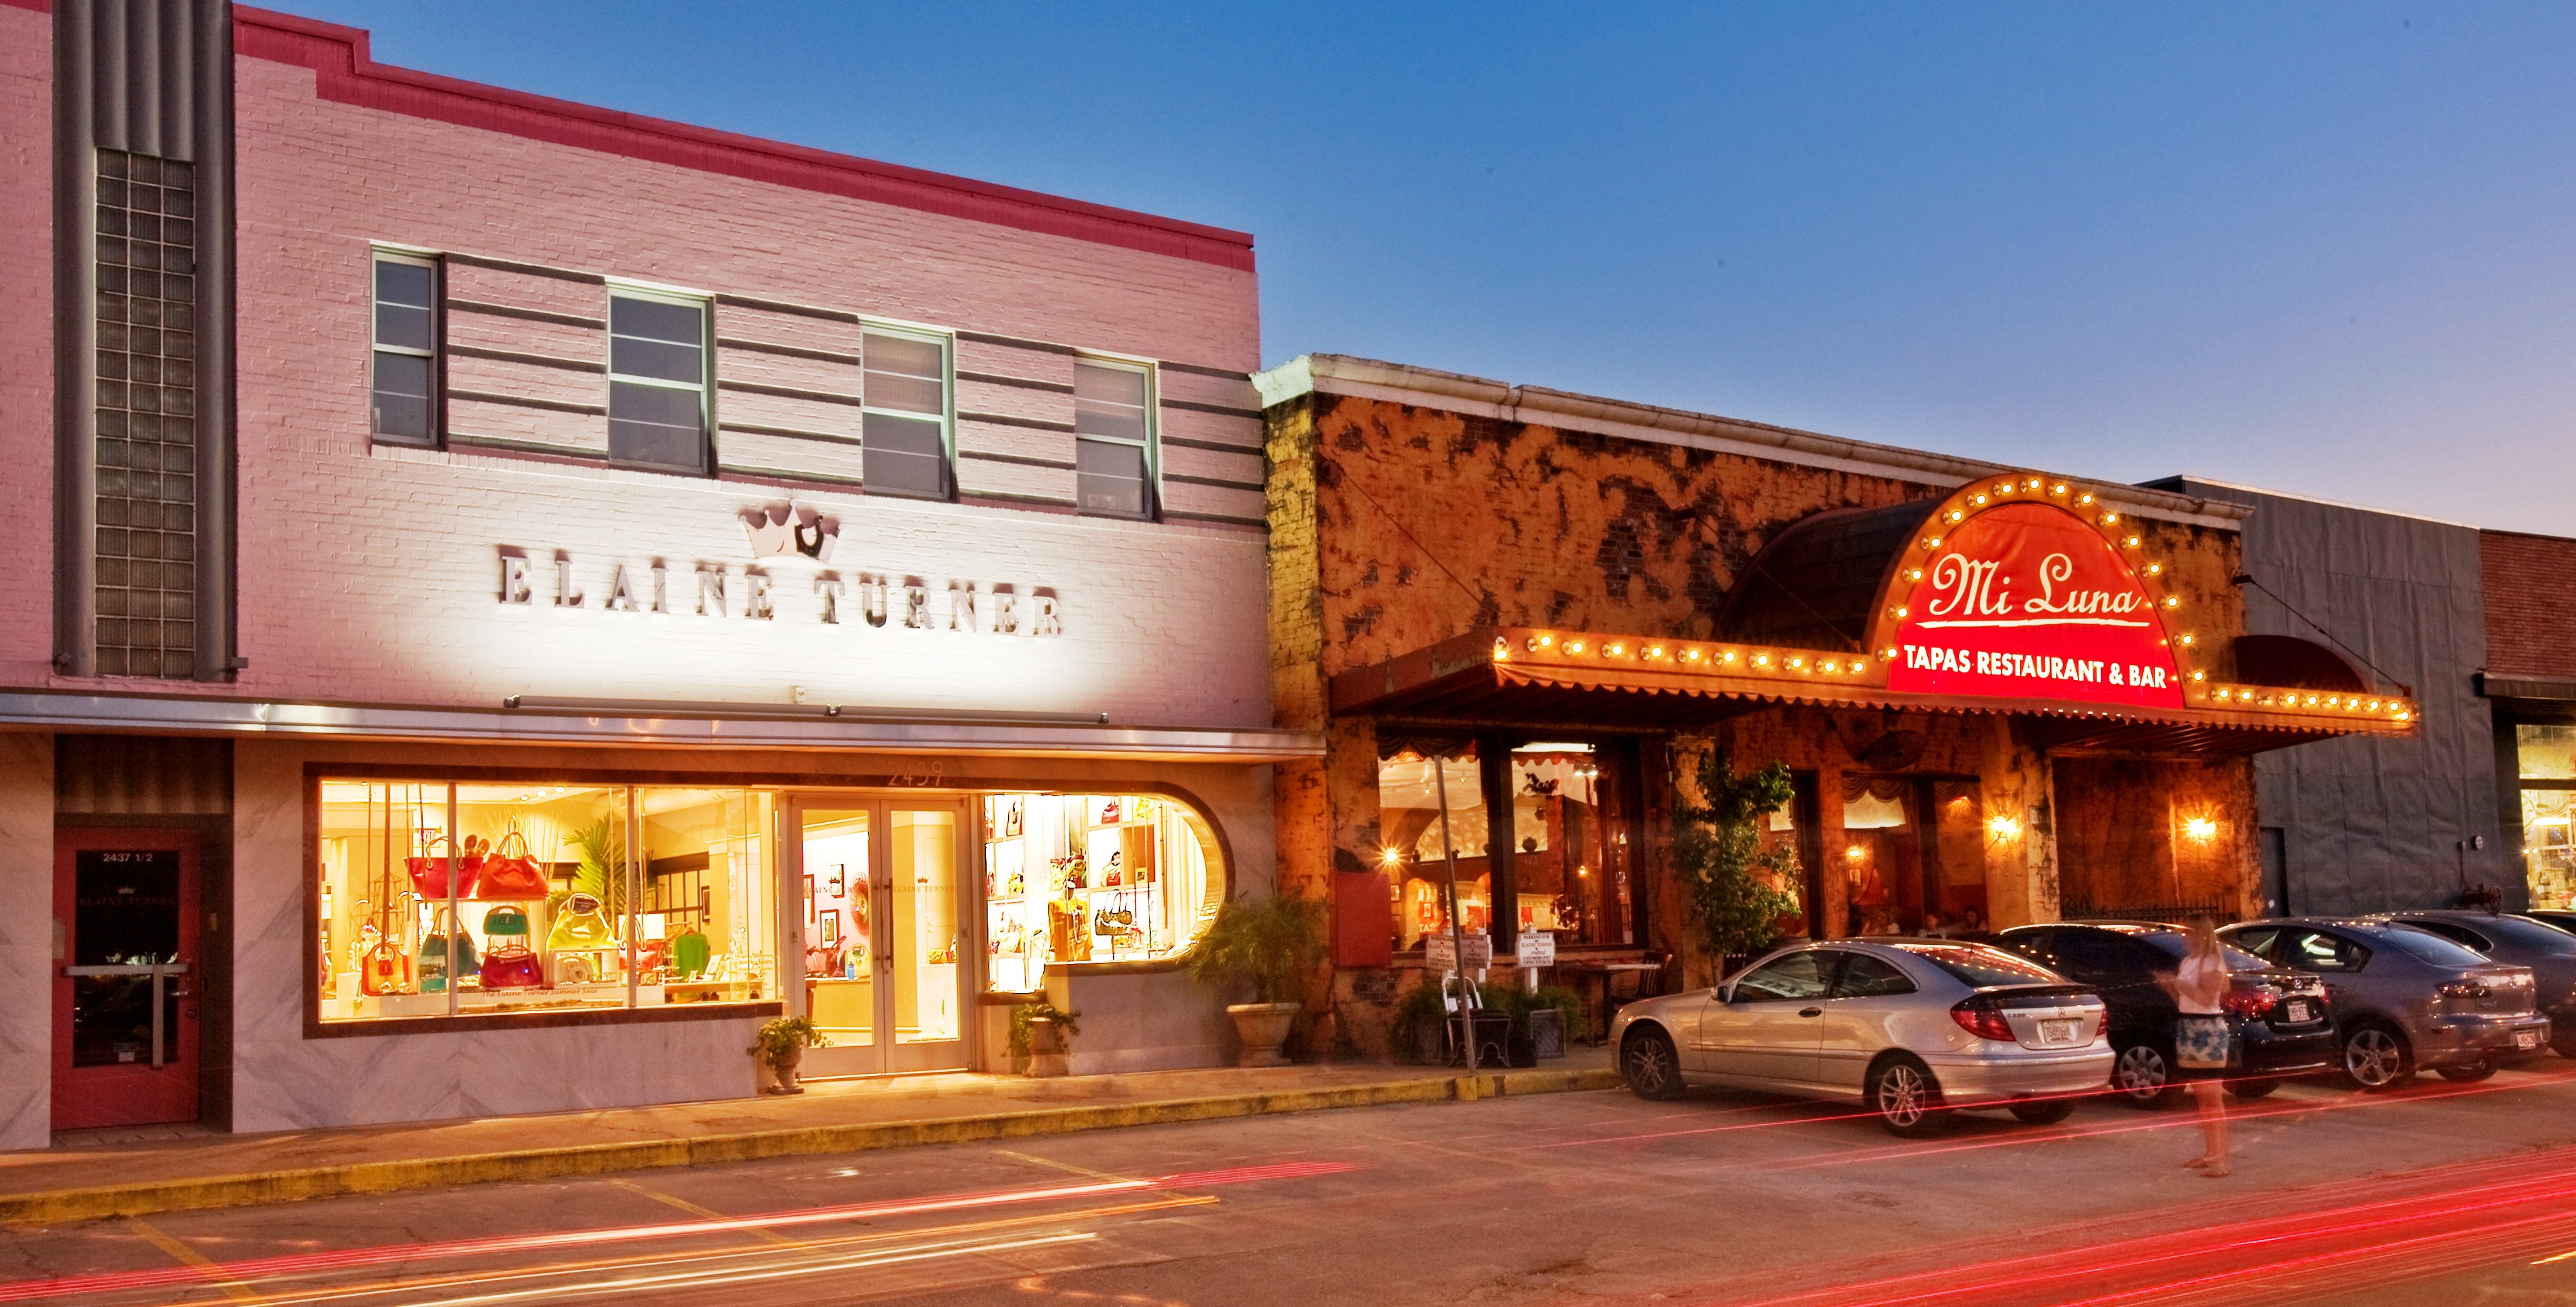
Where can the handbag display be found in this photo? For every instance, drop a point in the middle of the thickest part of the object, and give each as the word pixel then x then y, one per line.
pixel 384 970
pixel 581 925
pixel 429 873
pixel 512 876
pixel 440 958
pixel 511 964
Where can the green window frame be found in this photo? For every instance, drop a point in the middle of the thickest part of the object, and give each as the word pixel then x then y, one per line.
pixel 661 387
pixel 1117 454
pixel 908 412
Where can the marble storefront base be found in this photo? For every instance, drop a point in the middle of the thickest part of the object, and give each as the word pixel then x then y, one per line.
pixel 26 940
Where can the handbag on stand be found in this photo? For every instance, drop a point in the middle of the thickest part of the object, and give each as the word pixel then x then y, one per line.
pixel 510 964
pixel 508 875
pixel 429 872
pixel 384 969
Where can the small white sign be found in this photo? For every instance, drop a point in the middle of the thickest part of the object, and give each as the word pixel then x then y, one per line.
pixel 1439 954
pixel 1537 949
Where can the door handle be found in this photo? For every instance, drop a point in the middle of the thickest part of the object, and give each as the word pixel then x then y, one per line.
pixel 1811 1012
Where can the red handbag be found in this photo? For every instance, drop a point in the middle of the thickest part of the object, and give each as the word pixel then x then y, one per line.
pixel 512 877
pixel 429 874
pixel 508 962
pixel 385 970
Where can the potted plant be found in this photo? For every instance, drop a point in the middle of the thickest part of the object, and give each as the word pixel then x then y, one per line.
pixel 1040 1040
pixel 781 1046
pixel 1270 948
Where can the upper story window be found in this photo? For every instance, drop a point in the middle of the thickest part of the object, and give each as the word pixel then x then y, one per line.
pixel 657 382
pixel 403 403
pixel 1113 447
pixel 904 440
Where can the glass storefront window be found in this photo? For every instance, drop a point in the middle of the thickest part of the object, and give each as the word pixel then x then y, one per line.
pixel 1570 856
pixel 1411 851
pixel 2547 765
pixel 1092 878
pixel 490 899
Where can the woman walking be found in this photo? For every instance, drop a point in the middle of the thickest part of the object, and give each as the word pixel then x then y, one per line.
pixel 2201 1039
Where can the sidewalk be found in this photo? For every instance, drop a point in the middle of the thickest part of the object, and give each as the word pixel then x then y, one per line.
pixel 88 1180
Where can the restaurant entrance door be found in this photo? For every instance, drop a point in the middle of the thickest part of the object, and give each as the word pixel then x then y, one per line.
pixel 129 902
pixel 882 891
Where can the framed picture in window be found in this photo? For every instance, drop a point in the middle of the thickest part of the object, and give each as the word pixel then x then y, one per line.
pixel 840 873
pixel 1011 818
pixel 831 928
pixel 809 900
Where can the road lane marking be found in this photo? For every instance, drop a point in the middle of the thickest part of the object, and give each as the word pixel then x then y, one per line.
pixel 757 1232
pixel 1066 1167
pixel 158 1238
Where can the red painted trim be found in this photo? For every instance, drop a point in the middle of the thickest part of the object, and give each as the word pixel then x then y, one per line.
pixel 345 74
pixel 40 6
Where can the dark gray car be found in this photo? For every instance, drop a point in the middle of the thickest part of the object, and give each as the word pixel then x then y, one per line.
pixel 2550 952
pixel 2406 999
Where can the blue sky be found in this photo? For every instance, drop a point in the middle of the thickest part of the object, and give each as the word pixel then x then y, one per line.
pixel 2325 249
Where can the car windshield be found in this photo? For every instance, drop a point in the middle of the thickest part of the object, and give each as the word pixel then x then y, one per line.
pixel 2429 947
pixel 2177 946
pixel 1976 964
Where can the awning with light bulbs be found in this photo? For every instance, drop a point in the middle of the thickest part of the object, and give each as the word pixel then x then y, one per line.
pixel 1513 677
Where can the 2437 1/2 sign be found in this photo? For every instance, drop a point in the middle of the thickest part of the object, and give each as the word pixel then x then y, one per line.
pixel 2028 601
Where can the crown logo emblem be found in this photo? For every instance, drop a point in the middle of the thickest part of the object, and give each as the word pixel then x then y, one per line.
pixel 780 528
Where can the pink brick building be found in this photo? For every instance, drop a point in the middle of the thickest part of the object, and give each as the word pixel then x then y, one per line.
pixel 539 592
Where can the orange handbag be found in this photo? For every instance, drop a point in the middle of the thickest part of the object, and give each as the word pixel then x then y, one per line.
pixel 512 876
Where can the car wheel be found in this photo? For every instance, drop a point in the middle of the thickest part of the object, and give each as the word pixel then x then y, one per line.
pixel 2376 1058
pixel 2143 1076
pixel 1906 1098
pixel 2467 1075
pixel 1652 1067
pixel 2259 1087
pixel 2046 1111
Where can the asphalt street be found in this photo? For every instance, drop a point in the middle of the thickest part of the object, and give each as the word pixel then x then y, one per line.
pixel 2439 1193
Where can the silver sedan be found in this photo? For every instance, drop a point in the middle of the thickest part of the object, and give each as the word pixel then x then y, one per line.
pixel 1914 1028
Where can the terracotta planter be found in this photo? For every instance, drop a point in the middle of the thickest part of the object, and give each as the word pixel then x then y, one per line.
pixel 783 1067
pixel 1262 1027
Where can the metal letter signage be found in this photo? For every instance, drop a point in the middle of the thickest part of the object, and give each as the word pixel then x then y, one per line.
pixel 2028 601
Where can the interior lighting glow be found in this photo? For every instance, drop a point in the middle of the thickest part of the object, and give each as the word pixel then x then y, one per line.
pixel 2201 829
pixel 1855 853
pixel 2003 827
pixel 1389 857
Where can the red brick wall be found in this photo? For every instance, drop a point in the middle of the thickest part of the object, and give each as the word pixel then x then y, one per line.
pixel 2531 603
pixel 27 340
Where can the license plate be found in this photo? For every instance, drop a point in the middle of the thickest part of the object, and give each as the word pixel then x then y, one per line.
pixel 2295 1012
pixel 2526 1039
pixel 2057 1032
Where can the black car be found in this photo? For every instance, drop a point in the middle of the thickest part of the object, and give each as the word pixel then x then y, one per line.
pixel 2548 948
pixel 2279 1016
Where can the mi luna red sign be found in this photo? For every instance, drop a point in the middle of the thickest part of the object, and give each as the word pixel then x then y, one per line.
pixel 2028 601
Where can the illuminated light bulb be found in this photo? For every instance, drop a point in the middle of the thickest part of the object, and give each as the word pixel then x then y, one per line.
pixel 1574 646
pixel 2004 827
pixel 1502 650
pixel 1936 542
pixel 2173 601
pixel 2374 705
pixel 1690 655
pixel 2312 701
pixel 1891 652
pixel 1389 857
pixel 2003 487
pixel 2155 569
pixel 1855 853
pixel 1616 650
pixel 1957 516
pixel 1979 500
pixel 2186 639
pixel 2110 519
pixel 2084 499
pixel 1655 652
pixel 2200 828
pixel 1545 640
pixel 2200 676
pixel 2332 700
pixel 2058 489
pixel 1761 660
pixel 1898 613
pixel 2034 484
pixel 2403 716
pixel 1728 656
pixel 2224 695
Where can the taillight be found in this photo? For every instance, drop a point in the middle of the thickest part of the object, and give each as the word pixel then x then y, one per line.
pixel 1980 1017
pixel 2461 997
pixel 2249 1001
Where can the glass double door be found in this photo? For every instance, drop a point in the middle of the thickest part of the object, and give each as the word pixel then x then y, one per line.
pixel 880 891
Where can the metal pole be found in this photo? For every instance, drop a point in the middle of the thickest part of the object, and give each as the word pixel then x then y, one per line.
pixel 1457 937
pixel 455 919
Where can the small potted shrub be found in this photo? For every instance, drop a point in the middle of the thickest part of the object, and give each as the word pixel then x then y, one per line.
pixel 1041 1038
pixel 781 1046
pixel 1268 948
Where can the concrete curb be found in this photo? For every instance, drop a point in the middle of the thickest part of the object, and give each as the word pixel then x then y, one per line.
pixel 59 1206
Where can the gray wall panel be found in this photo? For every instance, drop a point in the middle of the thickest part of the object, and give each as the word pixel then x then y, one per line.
pixel 2371 824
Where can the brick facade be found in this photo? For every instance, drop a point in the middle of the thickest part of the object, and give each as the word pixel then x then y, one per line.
pixel 2531 626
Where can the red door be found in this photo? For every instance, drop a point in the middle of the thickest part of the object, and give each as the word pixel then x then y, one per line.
pixel 125 1007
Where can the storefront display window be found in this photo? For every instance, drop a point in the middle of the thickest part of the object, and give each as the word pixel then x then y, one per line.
pixel 1074 878
pixel 439 901
pixel 1912 851
pixel 2547 757
pixel 1570 851
pixel 1412 852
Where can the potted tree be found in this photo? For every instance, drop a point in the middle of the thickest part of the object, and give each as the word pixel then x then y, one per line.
pixel 781 1046
pixel 1268 948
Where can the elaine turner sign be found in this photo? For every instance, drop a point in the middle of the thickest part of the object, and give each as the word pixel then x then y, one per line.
pixel 2029 601
pixel 790 579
